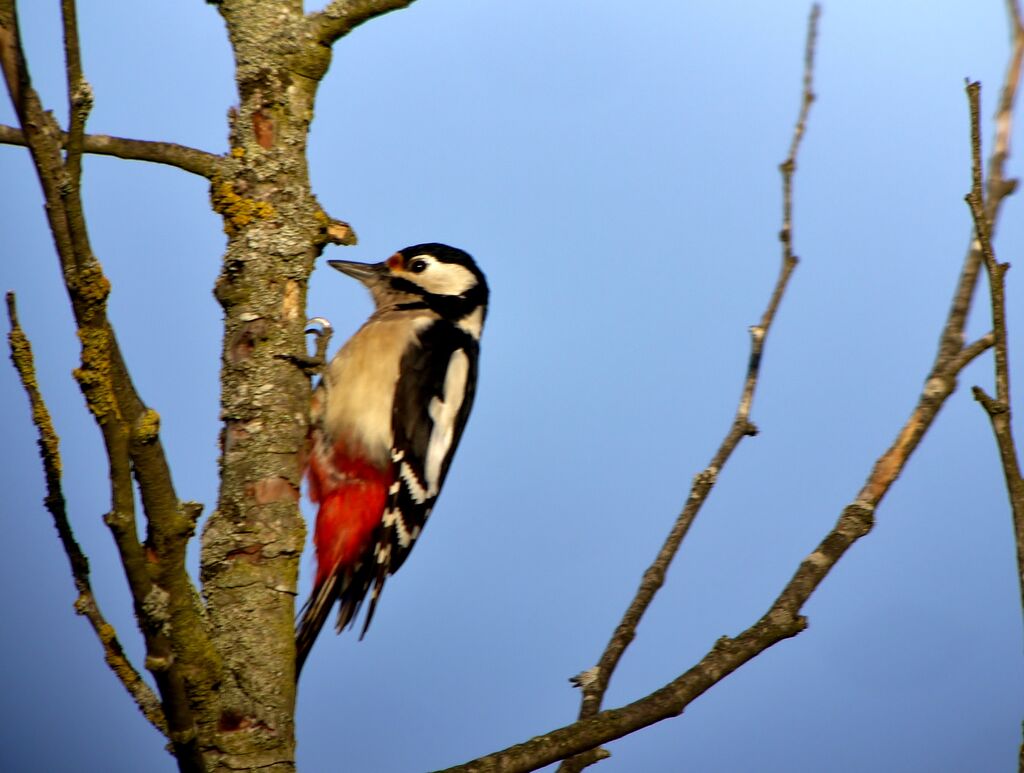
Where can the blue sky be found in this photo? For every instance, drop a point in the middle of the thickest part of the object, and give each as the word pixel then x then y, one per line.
pixel 614 173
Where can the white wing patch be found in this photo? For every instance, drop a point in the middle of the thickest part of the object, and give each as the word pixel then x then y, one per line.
pixel 443 412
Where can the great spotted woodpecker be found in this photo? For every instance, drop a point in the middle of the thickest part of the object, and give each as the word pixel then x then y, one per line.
pixel 385 421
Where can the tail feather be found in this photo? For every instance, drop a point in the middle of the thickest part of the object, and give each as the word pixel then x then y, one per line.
pixel 352 494
pixel 312 618
pixel 356 592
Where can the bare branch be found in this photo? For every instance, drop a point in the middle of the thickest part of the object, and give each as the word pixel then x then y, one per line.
pixel 973 350
pixel 188 159
pixel 998 186
pixel 342 16
pixel 998 409
pixel 784 619
pixel 162 592
pixel 79 93
pixel 595 681
pixel 49 452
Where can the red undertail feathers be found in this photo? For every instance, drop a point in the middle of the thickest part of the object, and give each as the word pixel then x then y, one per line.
pixel 352 494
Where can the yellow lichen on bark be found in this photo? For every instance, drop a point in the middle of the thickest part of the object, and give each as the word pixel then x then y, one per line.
pixel 237 210
pixel 147 427
pixel 89 284
pixel 94 374
pixel 21 356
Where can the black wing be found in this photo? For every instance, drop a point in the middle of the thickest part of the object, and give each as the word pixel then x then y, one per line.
pixel 433 399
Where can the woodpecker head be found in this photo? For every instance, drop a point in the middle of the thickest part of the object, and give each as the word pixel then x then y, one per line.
pixel 433 276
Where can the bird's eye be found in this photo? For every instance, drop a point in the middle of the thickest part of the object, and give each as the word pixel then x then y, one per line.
pixel 418 266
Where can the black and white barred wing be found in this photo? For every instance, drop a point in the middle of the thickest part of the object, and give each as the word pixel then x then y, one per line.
pixel 433 398
pixel 432 403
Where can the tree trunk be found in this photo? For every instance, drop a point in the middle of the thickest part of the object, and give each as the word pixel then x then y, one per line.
pixel 252 543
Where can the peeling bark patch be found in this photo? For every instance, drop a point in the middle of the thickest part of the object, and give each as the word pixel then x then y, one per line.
pixel 232 722
pixel 263 129
pixel 888 468
pixel 291 306
pixel 236 432
pixel 245 341
pixel 340 232
pixel 275 489
pixel 250 553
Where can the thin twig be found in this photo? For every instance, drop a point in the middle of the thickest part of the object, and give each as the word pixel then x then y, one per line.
pixel 342 16
pixel 998 409
pixel 79 93
pixel 49 452
pixel 594 682
pixel 188 159
pixel 998 186
pixel 972 350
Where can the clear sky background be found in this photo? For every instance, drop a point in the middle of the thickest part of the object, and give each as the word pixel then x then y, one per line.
pixel 613 168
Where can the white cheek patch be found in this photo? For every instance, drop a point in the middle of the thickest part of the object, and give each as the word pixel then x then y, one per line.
pixel 442 278
pixel 443 413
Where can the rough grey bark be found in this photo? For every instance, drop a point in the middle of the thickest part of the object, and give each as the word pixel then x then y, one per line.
pixel 275 227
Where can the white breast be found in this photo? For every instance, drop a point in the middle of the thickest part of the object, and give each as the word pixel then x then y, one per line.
pixel 360 382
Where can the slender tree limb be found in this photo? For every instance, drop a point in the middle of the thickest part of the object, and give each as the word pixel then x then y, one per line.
pixel 342 16
pixel 85 604
pixel 79 93
pixel 594 682
pixel 998 409
pixel 163 596
pixel 784 618
pixel 188 159
pixel 998 185
pixel 973 350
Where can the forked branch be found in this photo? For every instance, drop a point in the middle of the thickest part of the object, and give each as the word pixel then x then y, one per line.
pixel 85 604
pixel 594 682
pixel 783 619
pixel 162 592
pixel 998 185
pixel 998 408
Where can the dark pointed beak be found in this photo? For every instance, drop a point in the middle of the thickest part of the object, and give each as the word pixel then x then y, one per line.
pixel 367 273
